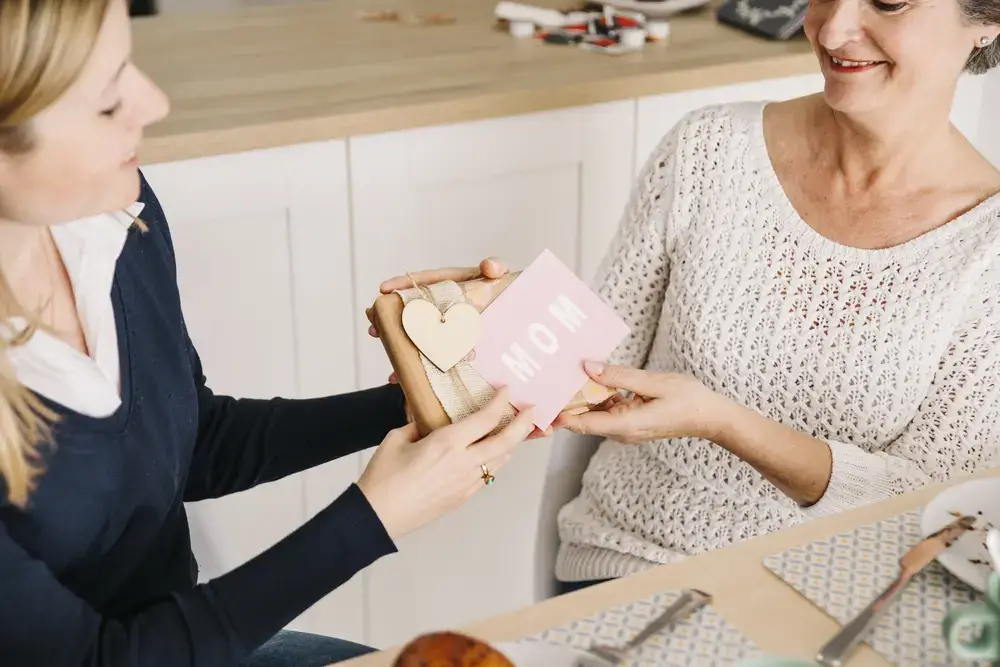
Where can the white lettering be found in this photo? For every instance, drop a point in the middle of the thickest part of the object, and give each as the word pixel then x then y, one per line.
pixel 550 345
pixel 519 362
pixel 568 313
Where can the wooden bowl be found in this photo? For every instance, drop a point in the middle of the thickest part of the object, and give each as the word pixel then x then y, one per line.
pixel 450 649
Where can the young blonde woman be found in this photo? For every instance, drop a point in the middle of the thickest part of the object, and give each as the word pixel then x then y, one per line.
pixel 106 424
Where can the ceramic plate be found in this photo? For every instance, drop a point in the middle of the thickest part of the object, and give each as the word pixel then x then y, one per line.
pixel 967 559
pixel 657 10
pixel 538 654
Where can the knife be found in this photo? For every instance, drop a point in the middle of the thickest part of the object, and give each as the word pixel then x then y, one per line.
pixel 916 559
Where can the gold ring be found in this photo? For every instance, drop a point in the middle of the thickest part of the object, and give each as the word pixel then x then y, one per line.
pixel 487 476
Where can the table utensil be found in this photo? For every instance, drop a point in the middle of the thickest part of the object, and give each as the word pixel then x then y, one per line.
pixel 842 644
pixel 969 559
pixel 690 601
pixel 913 561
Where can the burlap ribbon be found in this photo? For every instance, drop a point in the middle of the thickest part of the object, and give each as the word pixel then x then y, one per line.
pixel 461 390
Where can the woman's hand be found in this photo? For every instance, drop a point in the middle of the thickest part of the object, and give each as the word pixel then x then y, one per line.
pixel 661 405
pixel 410 482
pixel 672 405
pixel 491 268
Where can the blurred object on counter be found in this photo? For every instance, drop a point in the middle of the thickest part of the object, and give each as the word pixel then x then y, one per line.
pixel 775 19
pixel 142 8
pixel 607 30
pixel 392 16
pixel 657 9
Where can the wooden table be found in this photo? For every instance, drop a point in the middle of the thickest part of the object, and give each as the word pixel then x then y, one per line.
pixel 755 601
pixel 312 71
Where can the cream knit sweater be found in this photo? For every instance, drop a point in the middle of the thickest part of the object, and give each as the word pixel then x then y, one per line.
pixel 891 356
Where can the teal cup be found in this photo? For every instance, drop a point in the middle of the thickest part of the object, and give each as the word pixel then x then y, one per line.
pixel 981 621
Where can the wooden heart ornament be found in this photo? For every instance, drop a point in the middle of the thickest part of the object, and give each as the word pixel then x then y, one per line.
pixel 445 339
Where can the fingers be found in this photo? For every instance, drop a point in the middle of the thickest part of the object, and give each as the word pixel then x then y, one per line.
pixel 492 268
pixel 637 380
pixel 498 447
pixel 407 434
pixel 458 274
pixel 600 423
pixel 539 433
pixel 475 426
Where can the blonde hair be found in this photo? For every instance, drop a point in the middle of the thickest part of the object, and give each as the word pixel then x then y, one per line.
pixel 44 45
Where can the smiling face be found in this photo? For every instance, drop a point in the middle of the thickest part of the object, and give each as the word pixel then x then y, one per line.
pixel 877 56
pixel 82 156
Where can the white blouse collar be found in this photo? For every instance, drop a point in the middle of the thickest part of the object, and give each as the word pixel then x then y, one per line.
pixel 50 367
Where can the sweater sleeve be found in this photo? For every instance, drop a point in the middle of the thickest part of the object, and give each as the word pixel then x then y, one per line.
pixel 212 624
pixel 633 274
pixel 956 429
pixel 246 442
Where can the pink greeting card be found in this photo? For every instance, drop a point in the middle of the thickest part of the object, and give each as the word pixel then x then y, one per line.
pixel 539 331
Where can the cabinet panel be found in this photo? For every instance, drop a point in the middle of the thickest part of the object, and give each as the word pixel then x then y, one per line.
pixel 263 254
pixel 449 196
pixel 988 136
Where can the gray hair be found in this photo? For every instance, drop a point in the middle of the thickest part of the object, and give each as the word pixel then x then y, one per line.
pixel 982 12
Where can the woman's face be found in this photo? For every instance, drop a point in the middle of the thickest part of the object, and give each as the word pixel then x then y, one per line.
pixel 877 56
pixel 83 160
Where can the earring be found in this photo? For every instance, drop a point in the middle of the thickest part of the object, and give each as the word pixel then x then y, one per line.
pixel 985 41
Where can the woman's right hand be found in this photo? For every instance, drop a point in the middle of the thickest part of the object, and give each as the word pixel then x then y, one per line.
pixel 411 482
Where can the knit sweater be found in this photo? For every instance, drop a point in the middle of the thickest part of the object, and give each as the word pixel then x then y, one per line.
pixel 890 356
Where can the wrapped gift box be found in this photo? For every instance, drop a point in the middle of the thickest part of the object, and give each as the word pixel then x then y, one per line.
pixel 435 397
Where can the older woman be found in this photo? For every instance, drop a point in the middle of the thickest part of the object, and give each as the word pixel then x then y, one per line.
pixel 813 293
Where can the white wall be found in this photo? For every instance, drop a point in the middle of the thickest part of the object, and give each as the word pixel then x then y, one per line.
pixel 989 120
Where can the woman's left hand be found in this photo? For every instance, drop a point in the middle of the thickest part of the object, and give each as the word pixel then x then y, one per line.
pixel 491 268
pixel 662 405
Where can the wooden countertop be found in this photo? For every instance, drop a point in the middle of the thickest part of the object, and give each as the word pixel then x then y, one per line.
pixel 312 71
pixel 755 601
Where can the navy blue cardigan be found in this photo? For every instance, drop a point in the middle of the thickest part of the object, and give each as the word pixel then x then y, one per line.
pixel 98 570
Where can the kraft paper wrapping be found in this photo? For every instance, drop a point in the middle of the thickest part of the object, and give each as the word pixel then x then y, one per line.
pixel 462 390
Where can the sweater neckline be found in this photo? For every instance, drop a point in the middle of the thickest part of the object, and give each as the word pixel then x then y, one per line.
pixel 808 238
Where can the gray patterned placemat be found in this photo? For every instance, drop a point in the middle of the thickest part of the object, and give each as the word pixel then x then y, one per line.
pixel 844 573
pixel 703 639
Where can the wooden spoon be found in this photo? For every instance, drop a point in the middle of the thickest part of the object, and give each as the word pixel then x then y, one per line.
pixel 450 649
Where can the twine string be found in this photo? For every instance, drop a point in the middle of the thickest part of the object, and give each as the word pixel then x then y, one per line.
pixel 456 377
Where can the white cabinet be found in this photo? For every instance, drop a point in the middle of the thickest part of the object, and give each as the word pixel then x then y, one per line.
pixel 988 137
pixel 446 196
pixel 657 114
pixel 263 253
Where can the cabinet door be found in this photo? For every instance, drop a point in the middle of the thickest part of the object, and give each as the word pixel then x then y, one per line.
pixel 263 254
pixel 967 108
pixel 450 196
pixel 988 136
